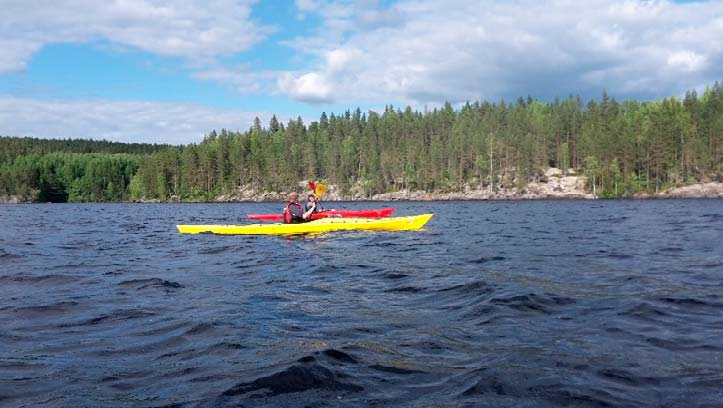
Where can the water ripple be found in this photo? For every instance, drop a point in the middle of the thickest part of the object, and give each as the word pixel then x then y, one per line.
pixel 544 304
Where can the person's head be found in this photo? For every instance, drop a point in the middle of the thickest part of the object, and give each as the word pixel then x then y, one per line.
pixel 311 198
pixel 293 197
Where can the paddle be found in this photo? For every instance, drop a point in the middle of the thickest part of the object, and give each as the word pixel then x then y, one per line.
pixel 319 189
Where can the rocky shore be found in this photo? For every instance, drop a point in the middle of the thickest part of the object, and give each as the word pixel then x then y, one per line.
pixel 553 185
pixel 700 190
pixel 12 199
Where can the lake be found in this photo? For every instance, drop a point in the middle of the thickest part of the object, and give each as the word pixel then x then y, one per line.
pixel 510 303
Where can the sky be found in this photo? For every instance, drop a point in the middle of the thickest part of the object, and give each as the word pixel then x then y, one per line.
pixel 162 71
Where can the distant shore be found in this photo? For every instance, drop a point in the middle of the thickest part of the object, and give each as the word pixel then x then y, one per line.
pixel 695 191
pixel 553 186
pixel 701 190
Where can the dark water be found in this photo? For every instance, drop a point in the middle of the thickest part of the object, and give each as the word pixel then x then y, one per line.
pixel 530 304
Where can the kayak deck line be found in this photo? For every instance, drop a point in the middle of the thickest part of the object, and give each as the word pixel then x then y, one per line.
pixel 413 222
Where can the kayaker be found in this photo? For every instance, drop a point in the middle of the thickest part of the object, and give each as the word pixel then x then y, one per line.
pixel 313 203
pixel 294 212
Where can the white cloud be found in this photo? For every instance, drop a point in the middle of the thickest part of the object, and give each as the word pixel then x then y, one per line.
pixel 192 29
pixel 687 61
pixel 14 54
pixel 123 121
pixel 312 87
pixel 427 51
pixel 339 59
pixel 414 51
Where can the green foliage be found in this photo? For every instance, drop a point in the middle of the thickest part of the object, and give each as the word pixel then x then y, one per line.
pixel 13 147
pixel 624 148
pixel 73 177
pixel 564 157
pixel 616 177
pixel 592 171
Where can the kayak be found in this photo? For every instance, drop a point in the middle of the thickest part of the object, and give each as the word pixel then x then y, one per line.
pixel 317 226
pixel 375 213
pixel 323 225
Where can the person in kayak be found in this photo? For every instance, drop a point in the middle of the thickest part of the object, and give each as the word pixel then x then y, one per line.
pixel 294 213
pixel 313 204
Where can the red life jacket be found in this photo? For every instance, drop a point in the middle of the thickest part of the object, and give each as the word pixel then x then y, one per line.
pixel 290 219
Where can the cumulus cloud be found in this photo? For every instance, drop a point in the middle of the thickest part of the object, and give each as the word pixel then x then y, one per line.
pixel 426 51
pixel 16 53
pixel 687 61
pixel 192 29
pixel 312 87
pixel 412 51
pixel 123 121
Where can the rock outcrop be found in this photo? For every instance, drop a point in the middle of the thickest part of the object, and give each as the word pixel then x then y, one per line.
pixel 11 199
pixel 554 185
pixel 700 190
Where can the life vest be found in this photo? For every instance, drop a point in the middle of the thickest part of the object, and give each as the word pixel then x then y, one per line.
pixel 319 208
pixel 291 219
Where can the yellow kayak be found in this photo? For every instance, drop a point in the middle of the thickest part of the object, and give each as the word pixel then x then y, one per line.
pixel 322 225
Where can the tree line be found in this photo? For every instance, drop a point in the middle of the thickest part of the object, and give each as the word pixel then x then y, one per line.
pixel 73 177
pixel 73 170
pixel 623 147
pixel 13 147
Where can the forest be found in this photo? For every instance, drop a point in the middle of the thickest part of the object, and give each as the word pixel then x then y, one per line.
pixel 623 147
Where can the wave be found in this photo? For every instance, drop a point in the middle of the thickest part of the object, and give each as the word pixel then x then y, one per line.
pixel 139 284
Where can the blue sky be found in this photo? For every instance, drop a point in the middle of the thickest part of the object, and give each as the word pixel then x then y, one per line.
pixel 154 71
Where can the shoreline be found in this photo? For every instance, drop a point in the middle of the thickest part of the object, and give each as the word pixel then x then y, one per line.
pixel 554 185
pixel 652 197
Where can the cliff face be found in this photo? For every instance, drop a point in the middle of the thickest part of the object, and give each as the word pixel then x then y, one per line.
pixel 558 186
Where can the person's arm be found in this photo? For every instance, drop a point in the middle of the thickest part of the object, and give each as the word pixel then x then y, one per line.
pixel 308 212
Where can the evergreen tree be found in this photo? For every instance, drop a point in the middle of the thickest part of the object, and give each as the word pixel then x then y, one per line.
pixel 628 147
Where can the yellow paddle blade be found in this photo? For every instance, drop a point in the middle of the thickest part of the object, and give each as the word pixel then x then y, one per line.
pixel 320 189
